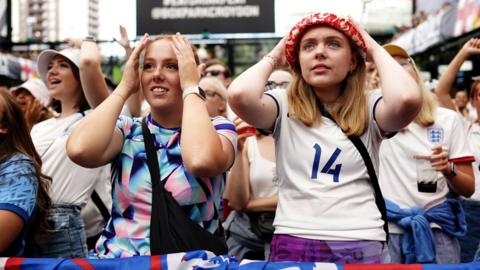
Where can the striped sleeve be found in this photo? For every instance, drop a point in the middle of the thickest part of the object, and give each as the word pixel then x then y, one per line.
pixel 227 129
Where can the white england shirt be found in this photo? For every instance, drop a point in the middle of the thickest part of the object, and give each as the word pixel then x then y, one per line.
pixel 324 188
pixel 398 174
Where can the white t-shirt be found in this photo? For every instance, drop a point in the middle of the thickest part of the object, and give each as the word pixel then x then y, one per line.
pixel 337 204
pixel 71 183
pixel 262 171
pixel 398 173
pixel 92 217
pixel 473 137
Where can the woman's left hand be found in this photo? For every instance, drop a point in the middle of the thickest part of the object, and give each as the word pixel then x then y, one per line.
pixel 130 79
pixel 439 159
pixel 187 68
pixel 370 43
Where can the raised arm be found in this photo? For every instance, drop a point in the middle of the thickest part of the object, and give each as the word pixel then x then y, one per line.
pixel 95 141
pixel 402 95
pixel 91 76
pixel 238 180
pixel 246 93
pixel 205 153
pixel 134 102
pixel 446 81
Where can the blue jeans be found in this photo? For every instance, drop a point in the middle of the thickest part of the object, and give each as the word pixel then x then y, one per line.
pixel 66 235
pixel 469 243
pixel 447 247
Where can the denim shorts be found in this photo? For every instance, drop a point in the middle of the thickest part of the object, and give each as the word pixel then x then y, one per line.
pixel 66 235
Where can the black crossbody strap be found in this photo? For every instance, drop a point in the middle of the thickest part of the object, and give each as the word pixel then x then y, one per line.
pixel 379 201
pixel 373 178
pixel 152 160
pixel 100 205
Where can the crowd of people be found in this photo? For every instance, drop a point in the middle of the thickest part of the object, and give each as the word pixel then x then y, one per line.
pixel 330 148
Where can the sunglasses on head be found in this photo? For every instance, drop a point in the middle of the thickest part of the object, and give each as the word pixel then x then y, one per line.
pixel 272 85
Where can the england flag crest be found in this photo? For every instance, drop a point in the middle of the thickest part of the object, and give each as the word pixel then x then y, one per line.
pixel 435 135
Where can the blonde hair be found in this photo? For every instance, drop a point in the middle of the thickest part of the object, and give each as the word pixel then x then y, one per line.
pixel 426 116
pixel 170 38
pixel 350 110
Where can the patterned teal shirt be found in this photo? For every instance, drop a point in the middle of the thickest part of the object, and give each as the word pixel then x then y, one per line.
pixel 128 231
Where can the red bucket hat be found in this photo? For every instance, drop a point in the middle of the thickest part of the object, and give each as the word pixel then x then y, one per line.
pixel 342 24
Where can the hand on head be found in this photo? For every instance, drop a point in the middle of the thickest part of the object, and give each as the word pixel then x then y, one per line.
pixel 130 79
pixel 278 53
pixel 370 43
pixel 187 67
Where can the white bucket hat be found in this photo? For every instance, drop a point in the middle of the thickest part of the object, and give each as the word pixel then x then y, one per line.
pixel 72 54
pixel 37 88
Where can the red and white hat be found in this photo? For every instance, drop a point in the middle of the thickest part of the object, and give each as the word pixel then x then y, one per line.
pixel 344 25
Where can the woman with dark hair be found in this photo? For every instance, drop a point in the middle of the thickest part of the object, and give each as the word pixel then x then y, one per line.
pixel 72 185
pixel 24 199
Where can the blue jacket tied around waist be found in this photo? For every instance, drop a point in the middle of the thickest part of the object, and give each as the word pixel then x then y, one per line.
pixel 418 244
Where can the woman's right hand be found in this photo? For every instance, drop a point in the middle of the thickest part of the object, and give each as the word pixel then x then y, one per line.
pixel 242 136
pixel 130 79
pixel 471 47
pixel 278 53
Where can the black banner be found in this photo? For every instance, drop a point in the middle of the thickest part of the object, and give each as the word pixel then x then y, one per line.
pixel 200 16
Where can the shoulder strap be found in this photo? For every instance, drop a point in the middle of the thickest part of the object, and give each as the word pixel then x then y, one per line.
pixel 373 178
pixel 100 205
pixel 379 201
pixel 152 160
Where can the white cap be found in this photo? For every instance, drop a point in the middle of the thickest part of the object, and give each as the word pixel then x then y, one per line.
pixel 72 54
pixel 37 88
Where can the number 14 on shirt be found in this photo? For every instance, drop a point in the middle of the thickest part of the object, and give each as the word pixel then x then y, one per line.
pixel 327 168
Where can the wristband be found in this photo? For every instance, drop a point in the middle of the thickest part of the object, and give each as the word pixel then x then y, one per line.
pixel 194 90
pixel 453 169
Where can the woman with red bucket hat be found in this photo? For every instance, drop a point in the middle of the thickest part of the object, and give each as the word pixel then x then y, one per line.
pixel 327 131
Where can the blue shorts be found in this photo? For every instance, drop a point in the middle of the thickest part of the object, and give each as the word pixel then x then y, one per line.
pixel 66 237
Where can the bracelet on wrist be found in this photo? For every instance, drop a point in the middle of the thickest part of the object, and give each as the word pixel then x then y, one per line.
pixel 272 60
pixel 120 96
